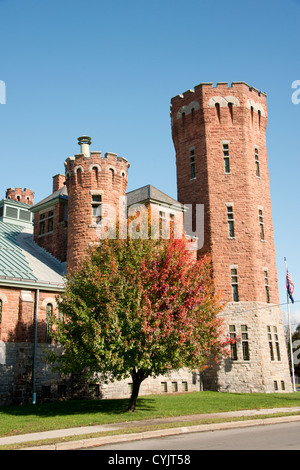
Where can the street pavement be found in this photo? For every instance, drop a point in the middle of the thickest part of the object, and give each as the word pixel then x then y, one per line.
pixel 119 429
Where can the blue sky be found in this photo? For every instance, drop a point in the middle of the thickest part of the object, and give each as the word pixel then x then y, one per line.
pixel 108 69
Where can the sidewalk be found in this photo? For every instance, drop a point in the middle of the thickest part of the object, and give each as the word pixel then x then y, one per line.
pixel 119 437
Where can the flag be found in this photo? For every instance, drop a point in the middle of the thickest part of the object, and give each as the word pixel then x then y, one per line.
pixel 289 286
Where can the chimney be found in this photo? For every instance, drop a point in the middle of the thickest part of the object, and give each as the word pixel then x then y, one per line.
pixel 84 141
pixel 58 182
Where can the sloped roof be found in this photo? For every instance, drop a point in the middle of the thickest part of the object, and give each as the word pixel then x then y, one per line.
pixel 23 260
pixel 61 193
pixel 149 193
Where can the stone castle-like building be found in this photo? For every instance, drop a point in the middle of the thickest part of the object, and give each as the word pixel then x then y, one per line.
pixel 219 135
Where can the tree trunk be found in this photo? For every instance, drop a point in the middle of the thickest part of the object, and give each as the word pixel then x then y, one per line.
pixel 137 378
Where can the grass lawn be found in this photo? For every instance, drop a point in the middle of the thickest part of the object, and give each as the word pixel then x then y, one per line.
pixel 59 415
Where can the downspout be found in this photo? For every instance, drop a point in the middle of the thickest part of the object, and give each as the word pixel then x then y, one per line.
pixel 34 346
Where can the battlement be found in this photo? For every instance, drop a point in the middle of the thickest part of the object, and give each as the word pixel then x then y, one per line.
pixel 220 86
pixel 22 195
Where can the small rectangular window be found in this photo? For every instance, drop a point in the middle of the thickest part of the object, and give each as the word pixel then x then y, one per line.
pixel 184 386
pixel 50 221
pixel 245 343
pixel 192 164
pixel 226 158
pixel 261 224
pixel 234 283
pixel 96 209
pixel 164 387
pixel 257 163
pixel 230 220
pixel 42 224
pixel 174 387
pixel 267 288
pixel 233 348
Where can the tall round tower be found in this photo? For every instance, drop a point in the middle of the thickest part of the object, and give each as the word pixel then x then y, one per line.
pixel 93 182
pixel 219 134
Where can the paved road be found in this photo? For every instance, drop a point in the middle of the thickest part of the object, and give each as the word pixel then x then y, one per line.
pixel 268 437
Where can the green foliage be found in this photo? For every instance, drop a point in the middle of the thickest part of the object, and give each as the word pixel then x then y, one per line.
pixel 138 306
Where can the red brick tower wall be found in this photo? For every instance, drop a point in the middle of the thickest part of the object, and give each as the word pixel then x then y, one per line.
pixel 22 195
pixel 90 176
pixel 205 119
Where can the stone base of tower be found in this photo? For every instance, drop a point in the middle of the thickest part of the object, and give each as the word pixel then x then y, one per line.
pixel 259 362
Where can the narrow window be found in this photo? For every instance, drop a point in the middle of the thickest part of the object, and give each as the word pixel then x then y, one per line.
pixel 267 288
pixel 230 111
pixel 79 176
pixel 50 221
pixel 95 174
pixel 96 209
pixel 192 164
pixel 245 343
pixel 271 351
pixel 162 224
pixel 273 337
pixel 282 385
pixel 174 387
pixel 42 224
pixel 277 343
pixel 1 306
pixel 257 167
pixel 49 313
pixel 184 386
pixel 112 175
pixel 233 348
pixel 234 283
pixel 261 224
pixel 259 118
pixel 252 111
pixel 230 220
pixel 226 158
pixel 275 385
pixel 218 112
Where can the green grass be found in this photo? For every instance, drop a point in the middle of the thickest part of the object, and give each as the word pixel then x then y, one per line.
pixel 59 415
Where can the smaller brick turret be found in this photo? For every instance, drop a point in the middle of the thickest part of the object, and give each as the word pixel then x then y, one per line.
pixel 22 195
pixel 92 182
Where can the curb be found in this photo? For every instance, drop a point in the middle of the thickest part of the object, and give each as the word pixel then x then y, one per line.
pixel 100 441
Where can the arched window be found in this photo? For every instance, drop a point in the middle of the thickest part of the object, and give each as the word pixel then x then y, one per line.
pixel 49 313
pixel 112 175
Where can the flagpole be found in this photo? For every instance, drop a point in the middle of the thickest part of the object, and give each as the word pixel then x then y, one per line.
pixel 290 331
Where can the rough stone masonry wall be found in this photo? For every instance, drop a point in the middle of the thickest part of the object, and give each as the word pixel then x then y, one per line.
pixel 261 373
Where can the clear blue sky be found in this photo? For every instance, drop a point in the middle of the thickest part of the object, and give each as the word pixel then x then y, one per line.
pixel 109 69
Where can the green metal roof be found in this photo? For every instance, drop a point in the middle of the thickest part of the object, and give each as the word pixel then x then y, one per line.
pixel 24 262
pixel 13 263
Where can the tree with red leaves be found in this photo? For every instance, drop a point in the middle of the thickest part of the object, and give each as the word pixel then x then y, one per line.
pixel 139 308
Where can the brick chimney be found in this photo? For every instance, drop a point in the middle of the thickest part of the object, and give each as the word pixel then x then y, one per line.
pixel 58 182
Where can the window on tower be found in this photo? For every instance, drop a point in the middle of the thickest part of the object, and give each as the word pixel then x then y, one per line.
pixel 233 348
pixel 230 221
pixel 235 285
pixel 257 167
pixel 267 288
pixel 96 209
pixel 226 158
pixel 245 343
pixel 192 164
pixel 261 224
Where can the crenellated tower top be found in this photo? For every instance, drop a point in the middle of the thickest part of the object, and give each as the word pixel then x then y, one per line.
pixel 93 182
